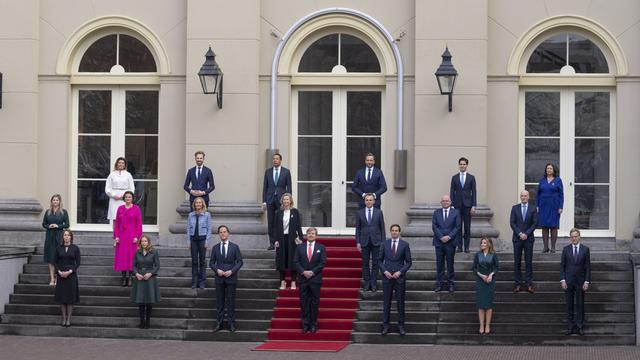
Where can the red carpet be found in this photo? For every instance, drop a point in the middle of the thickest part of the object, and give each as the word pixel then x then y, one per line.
pixel 338 302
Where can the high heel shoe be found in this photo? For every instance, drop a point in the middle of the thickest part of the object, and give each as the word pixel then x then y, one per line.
pixel 283 285
pixel 293 285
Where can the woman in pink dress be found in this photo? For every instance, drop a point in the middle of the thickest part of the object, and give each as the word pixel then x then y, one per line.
pixel 127 230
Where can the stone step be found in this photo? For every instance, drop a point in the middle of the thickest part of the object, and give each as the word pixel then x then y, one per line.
pixel 186 292
pixel 551 339
pixel 504 296
pixel 471 328
pixel 469 315
pixel 185 282
pixel 508 306
pixel 166 251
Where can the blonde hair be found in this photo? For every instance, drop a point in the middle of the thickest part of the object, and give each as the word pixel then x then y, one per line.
pixel 290 198
pixel 59 205
pixel 489 243
pixel 149 248
pixel 204 204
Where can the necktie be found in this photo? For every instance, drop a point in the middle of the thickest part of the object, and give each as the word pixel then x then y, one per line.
pixel 198 172
pixel 310 252
pixel 461 179
pixel 575 252
pixel 369 216
pixel 524 211
pixel 393 249
pixel 224 250
pixel 446 214
pixel 369 174
pixel 276 176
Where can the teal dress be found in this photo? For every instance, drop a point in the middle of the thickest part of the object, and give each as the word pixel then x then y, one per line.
pixel 53 237
pixel 485 264
pixel 146 291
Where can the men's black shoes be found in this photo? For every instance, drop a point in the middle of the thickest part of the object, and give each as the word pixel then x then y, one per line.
pixel 580 331
pixel 517 289
pixel 401 330
pixel 305 329
pixel 232 327
pixel 385 330
pixel 437 289
pixel 452 289
pixel 568 332
pixel 313 329
pixel 217 328
pixel 373 288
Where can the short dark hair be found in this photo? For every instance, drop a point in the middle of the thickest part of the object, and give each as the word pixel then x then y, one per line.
pixel 278 155
pixel 115 165
pixel 370 154
pixel 556 171
pixel 199 152
pixel 369 194
pixel 223 226
pixel 62 238
pixel 395 225
pixel 133 197
pixel 574 230
pixel 463 159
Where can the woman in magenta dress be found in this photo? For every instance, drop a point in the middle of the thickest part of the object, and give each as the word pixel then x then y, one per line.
pixel 127 230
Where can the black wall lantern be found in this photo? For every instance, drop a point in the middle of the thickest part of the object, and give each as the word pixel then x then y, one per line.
pixel 211 76
pixel 446 76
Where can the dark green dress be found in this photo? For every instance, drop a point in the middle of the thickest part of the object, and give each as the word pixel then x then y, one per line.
pixel 145 291
pixel 53 237
pixel 485 264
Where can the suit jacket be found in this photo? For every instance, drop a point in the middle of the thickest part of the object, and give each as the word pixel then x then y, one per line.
pixel 233 262
pixel 526 225
pixel 301 263
pixel 204 183
pixel 451 227
pixel 295 232
pixel 400 262
pixel 463 196
pixel 270 190
pixel 376 185
pixel 370 233
pixel 575 271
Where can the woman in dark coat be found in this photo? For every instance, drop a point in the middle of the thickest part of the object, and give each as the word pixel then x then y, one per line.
pixel 485 266
pixel 549 201
pixel 145 290
pixel 67 261
pixel 288 235
pixel 55 220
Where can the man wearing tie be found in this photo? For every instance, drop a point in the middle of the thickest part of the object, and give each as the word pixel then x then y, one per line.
pixel 394 261
pixel 523 222
pixel 575 275
pixel 277 181
pixel 446 236
pixel 369 181
pixel 463 195
pixel 309 260
pixel 226 261
pixel 370 232
pixel 199 180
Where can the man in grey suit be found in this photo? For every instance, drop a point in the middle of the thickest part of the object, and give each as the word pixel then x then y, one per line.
pixel 277 181
pixel 523 220
pixel 370 232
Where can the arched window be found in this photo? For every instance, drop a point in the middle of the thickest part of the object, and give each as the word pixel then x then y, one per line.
pixel 567 53
pixel 117 53
pixel 339 53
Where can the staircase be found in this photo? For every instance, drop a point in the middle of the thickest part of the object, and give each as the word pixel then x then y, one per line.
pixel 521 318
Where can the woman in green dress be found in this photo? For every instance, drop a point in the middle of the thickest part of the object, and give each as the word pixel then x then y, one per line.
pixel 55 221
pixel 485 266
pixel 145 290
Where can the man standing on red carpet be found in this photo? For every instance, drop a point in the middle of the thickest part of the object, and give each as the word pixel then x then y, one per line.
pixel 309 260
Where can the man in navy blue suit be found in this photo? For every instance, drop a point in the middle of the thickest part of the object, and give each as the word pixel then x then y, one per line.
pixel 575 275
pixel 199 180
pixel 463 196
pixel 394 261
pixel 370 233
pixel 369 180
pixel 226 261
pixel 446 236
pixel 309 260
pixel 277 181
pixel 523 220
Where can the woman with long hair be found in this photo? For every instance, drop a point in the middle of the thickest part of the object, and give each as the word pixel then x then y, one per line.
pixel 288 235
pixel 549 201
pixel 55 220
pixel 127 230
pixel 67 261
pixel 198 237
pixel 485 266
pixel 145 290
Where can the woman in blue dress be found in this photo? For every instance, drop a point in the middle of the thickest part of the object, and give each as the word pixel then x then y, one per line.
pixel 549 202
pixel 485 267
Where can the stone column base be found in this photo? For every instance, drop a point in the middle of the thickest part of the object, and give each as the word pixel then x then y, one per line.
pixel 21 222
pixel 419 234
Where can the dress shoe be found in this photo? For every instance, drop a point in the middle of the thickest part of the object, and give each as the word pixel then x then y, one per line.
pixel 232 327
pixel 530 289
pixel 517 289
pixel 568 332
pixel 459 250
pixel 271 247
pixel 580 331
pixel 545 251
pixel 401 330
pixel 385 330
pixel 373 288
pixel 305 330
pixel 553 251
pixel 467 251
pixel 217 328
pixel 313 329
pixel 452 289
pixel 437 289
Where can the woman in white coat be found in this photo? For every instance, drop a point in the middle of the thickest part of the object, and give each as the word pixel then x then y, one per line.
pixel 118 182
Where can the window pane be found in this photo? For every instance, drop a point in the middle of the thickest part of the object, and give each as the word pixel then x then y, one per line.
pixel 363 113
pixel 592 113
pixel 314 203
pixel 94 112
pixel 315 112
pixel 533 192
pixel 592 207
pixel 141 153
pixel 352 207
pixel 135 56
pixel 92 202
pixel 357 56
pixel 94 157
pixel 357 149
pixel 542 114
pixel 321 56
pixel 142 112
pixel 592 161
pixel 100 56
pixel 314 159
pixel 585 56
pixel 537 153
pixel 147 199
pixel 550 56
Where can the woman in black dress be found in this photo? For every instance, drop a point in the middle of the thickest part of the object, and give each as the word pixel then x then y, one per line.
pixel 55 220
pixel 67 261
pixel 288 235
pixel 145 290
pixel 485 266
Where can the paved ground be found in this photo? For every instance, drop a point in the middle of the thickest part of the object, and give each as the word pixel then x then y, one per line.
pixel 33 348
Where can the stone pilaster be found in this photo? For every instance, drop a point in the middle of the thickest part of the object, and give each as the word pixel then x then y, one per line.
pixel 20 222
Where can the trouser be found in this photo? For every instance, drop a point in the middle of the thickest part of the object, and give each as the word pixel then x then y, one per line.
pixel 272 208
pixel 389 287
pixel 226 297
pixel 518 247
pixel 465 215
pixel 198 263
pixel 309 303
pixel 370 272
pixel 574 298
pixel 445 252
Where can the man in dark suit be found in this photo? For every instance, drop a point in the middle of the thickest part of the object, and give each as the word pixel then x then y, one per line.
pixel 226 261
pixel 463 196
pixel 369 181
pixel 199 180
pixel 370 233
pixel 446 236
pixel 523 220
pixel 575 275
pixel 394 261
pixel 277 181
pixel 309 260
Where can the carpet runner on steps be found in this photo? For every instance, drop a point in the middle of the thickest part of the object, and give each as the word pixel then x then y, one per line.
pixel 339 297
